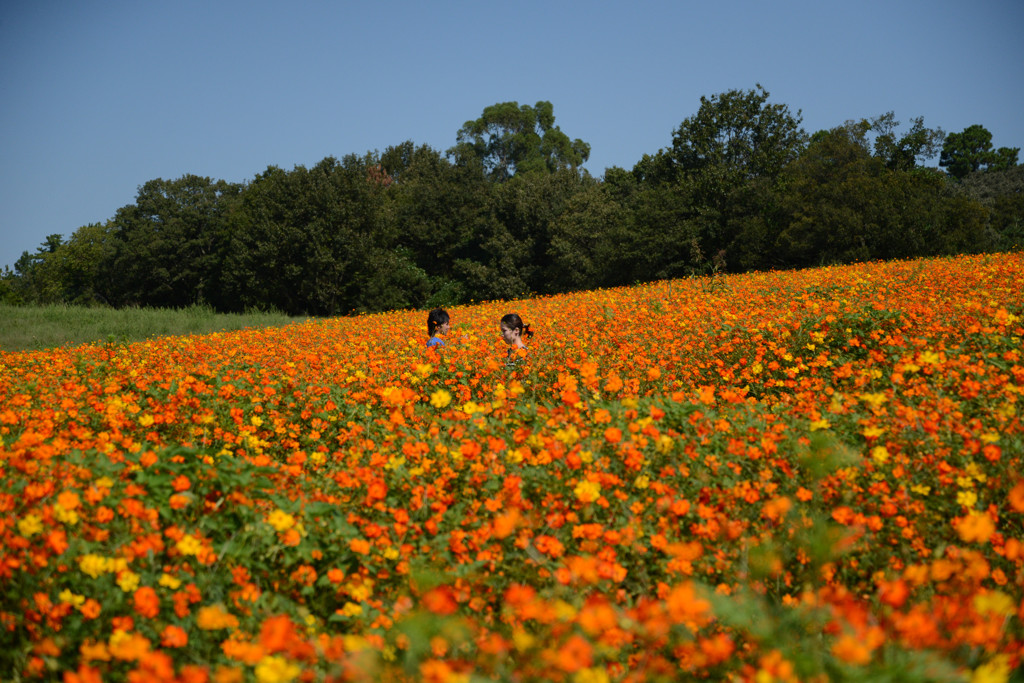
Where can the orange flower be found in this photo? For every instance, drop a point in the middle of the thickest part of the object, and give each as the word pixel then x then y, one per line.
pixel 68 500
pixel 128 646
pixel 976 527
pixel 359 545
pixel 684 607
pixel 147 603
pixel 215 617
pixel 575 654
pixel 173 636
pixel 440 600
pixel 1016 497
pixel 277 633
pixel 90 609
pixel 613 435
pixel 84 674
pixel 852 650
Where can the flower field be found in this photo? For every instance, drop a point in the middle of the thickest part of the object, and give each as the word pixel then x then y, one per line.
pixel 798 476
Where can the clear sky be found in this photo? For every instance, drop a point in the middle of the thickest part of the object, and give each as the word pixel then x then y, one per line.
pixel 97 97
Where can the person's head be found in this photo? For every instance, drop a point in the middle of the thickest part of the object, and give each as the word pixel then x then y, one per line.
pixel 513 330
pixel 437 321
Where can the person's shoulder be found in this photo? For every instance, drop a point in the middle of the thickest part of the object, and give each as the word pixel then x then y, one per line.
pixel 435 341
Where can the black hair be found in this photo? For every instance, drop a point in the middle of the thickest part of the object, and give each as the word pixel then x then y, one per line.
pixel 513 322
pixel 435 319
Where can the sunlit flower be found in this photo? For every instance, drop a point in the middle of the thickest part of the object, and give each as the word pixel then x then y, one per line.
pixel 276 669
pixel 280 520
pixel 30 525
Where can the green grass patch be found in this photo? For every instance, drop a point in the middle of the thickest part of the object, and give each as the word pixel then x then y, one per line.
pixel 26 328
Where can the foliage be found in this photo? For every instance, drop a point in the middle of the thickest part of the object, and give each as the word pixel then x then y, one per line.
pixel 509 211
pixel 902 153
pixel 971 150
pixel 509 139
pixel 809 475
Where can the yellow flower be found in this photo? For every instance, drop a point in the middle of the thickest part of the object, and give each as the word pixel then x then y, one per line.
pixel 587 491
pixel 69 598
pixel 568 436
pixel 642 482
pixel 874 400
pixel 872 432
pixel 880 455
pixel 351 609
pixel 146 420
pixel 440 398
pixel 522 639
pixel 188 545
pixel 820 424
pixel 128 581
pixel 355 643
pixel 595 674
pixel 921 489
pixel 30 525
pixel 91 564
pixel 967 498
pixel 168 581
pixel 280 520
pixel 69 517
pixel 276 669
pixel 930 358
pixel 995 670
pixel 995 602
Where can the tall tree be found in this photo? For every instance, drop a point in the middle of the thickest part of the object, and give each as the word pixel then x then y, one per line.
pixel 510 139
pixel 971 150
pixel 903 153
pixel 735 138
pixel 170 241
pixel 738 135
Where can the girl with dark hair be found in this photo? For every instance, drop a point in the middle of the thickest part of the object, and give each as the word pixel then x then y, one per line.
pixel 438 322
pixel 512 331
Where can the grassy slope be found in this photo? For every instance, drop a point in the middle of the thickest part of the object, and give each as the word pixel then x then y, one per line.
pixel 40 327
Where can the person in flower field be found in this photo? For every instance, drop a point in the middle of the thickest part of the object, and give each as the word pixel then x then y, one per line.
pixel 438 324
pixel 512 331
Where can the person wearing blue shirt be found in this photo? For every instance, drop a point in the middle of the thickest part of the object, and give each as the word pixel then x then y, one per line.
pixel 438 323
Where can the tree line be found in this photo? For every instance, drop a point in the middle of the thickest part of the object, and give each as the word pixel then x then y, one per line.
pixel 509 211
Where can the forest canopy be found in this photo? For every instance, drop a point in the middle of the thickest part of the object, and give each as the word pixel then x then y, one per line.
pixel 509 211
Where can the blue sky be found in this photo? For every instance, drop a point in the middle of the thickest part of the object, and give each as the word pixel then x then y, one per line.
pixel 96 98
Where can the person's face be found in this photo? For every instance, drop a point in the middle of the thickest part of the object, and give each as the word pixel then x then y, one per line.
pixel 443 329
pixel 510 335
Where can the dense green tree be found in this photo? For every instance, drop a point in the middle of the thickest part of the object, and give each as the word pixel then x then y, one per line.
pixel 438 210
pixel 319 241
pixel 524 209
pixel 737 135
pixel 82 263
pixel 36 276
pixel 169 243
pixel 841 204
pixel 735 138
pixel 904 152
pixel 971 150
pixel 510 139
pixel 1002 193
